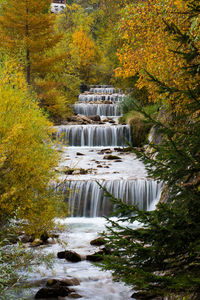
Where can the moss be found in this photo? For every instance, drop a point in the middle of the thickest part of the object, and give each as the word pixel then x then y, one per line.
pixel 140 130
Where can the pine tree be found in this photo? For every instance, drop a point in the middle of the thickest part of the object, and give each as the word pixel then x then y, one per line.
pixel 162 256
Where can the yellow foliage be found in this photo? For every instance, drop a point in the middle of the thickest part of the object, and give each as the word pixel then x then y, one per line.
pixel 147 46
pixel 84 52
pixel 27 158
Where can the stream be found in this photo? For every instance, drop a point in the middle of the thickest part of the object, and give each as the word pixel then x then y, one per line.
pixel 87 147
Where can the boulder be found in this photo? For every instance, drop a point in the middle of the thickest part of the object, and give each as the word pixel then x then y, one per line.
pixel 48 293
pixel 75 296
pixel 69 255
pixel 98 241
pixel 95 118
pixel 55 283
pixel 79 154
pixel 111 157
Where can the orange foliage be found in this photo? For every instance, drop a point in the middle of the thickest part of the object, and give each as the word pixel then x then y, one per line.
pixel 147 46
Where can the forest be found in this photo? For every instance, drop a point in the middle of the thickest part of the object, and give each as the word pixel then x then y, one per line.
pixel 145 54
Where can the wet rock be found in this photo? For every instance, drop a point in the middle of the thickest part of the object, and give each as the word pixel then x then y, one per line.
pixel 126 149
pixel 79 154
pixel 111 157
pixel 69 255
pixel 55 283
pixel 75 296
pixel 95 118
pixel 118 160
pixel 99 166
pixel 98 241
pixel 48 293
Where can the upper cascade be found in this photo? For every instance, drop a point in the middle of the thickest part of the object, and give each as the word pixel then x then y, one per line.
pixel 102 93
pixel 103 97
pixel 105 90
pixel 89 109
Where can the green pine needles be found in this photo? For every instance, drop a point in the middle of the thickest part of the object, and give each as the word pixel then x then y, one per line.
pixel 162 255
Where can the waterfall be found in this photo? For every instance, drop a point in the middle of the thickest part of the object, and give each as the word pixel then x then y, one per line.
pixel 87 199
pixel 105 90
pixel 101 98
pixel 97 109
pixel 94 135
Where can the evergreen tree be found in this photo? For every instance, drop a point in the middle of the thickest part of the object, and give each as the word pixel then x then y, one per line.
pixel 162 256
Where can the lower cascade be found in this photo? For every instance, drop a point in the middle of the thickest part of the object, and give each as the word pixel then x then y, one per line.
pixel 87 199
pixel 94 135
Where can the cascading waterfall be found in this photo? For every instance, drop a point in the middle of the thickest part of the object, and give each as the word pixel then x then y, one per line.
pixel 97 109
pixel 87 199
pixel 100 97
pixel 94 135
pixel 105 90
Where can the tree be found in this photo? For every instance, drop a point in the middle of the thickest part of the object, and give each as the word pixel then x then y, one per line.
pixel 84 52
pixel 27 158
pixel 27 33
pixel 146 47
pixel 162 256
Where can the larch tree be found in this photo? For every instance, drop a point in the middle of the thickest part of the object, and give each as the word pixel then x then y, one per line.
pixel 27 33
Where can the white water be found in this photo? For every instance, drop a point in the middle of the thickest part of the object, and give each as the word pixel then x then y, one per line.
pixel 100 97
pixel 126 178
pixel 95 284
pixel 88 109
pixel 94 135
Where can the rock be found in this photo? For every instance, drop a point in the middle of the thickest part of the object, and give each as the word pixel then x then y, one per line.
pixel 98 241
pixel 79 154
pixel 48 293
pixel 105 120
pixel 106 150
pixel 36 243
pixel 95 118
pixel 25 238
pixel 74 296
pixel 118 160
pixel 126 149
pixel 99 166
pixel 111 157
pixel 55 283
pixel 71 281
pixel 84 118
pixel 83 171
pixel 111 121
pixel 69 255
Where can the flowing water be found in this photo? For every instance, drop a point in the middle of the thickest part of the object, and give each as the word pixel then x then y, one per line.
pixel 124 176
